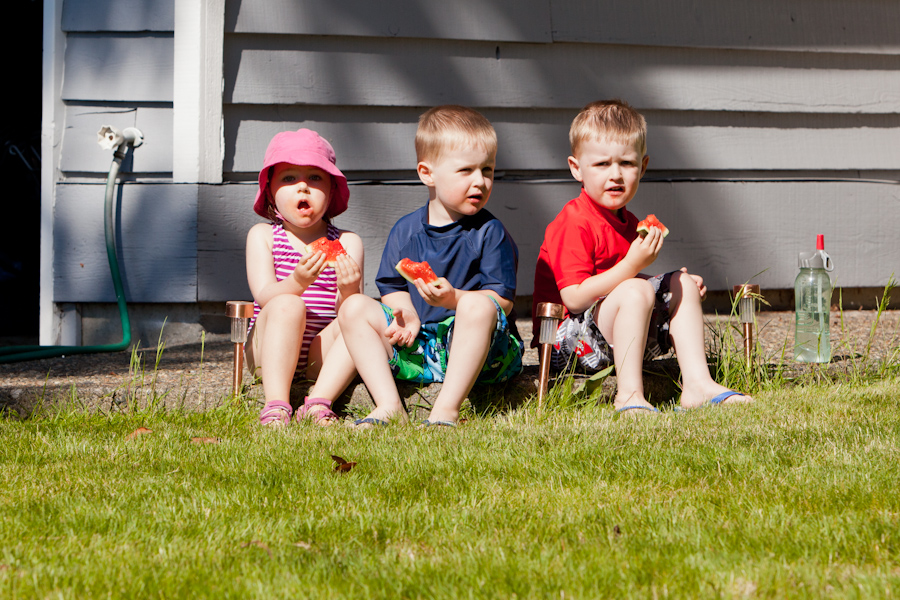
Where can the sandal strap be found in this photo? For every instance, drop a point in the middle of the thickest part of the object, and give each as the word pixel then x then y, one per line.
pixel 278 404
pixel 317 402
pixel 319 415
pixel 275 410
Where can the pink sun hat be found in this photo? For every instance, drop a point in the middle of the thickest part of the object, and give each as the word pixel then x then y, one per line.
pixel 304 148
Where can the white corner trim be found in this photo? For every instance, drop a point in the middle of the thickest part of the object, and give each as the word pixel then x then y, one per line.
pixel 52 111
pixel 198 141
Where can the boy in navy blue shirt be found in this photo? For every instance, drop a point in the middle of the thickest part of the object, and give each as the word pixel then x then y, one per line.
pixel 454 330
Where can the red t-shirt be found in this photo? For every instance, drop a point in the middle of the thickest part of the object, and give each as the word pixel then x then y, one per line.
pixel 583 240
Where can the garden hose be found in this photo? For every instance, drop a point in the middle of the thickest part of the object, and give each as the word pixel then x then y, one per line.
pixel 19 353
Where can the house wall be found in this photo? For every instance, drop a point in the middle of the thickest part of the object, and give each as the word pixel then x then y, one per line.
pixel 768 124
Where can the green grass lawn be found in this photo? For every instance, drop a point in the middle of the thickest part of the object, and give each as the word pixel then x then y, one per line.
pixel 794 496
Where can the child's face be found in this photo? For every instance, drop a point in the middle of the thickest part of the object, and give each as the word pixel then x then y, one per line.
pixel 610 171
pixel 460 180
pixel 301 194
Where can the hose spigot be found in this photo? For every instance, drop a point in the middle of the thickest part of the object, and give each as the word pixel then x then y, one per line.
pixel 111 138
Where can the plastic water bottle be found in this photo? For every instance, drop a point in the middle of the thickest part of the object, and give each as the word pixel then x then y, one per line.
pixel 812 295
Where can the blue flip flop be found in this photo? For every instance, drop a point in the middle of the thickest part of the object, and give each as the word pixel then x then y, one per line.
pixel 723 397
pixel 716 401
pixel 647 408
pixel 370 421
pixel 427 423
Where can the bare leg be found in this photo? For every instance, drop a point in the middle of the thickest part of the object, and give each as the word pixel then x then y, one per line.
pixel 275 344
pixel 624 318
pixel 686 329
pixel 476 319
pixel 362 325
pixel 330 365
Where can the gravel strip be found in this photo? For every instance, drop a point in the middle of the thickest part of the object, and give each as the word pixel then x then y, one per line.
pixel 196 377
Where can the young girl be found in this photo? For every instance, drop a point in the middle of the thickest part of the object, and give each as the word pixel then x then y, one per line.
pixel 296 296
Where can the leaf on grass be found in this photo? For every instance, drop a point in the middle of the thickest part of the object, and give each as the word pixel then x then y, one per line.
pixel 617 531
pixel 205 440
pixel 258 544
pixel 594 382
pixel 342 466
pixel 303 545
pixel 138 432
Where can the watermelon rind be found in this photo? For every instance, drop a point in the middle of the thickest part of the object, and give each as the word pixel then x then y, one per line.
pixel 407 276
pixel 643 228
pixel 331 248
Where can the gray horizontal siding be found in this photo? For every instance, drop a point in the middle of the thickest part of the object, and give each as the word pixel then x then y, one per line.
pixel 117 68
pixel 501 20
pixel 868 26
pixel 383 72
pixel 378 139
pixel 82 154
pixel 783 86
pixel 157 243
pixel 118 15
pixel 726 232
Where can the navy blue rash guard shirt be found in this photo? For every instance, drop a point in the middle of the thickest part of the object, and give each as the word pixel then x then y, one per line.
pixel 474 253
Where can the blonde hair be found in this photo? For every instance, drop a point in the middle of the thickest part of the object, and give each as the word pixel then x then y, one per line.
pixel 444 128
pixel 613 120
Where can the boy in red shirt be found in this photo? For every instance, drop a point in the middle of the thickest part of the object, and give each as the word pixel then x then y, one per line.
pixel 591 262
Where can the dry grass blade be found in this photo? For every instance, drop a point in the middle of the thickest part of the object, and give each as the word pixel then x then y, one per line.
pixel 258 544
pixel 205 440
pixel 138 433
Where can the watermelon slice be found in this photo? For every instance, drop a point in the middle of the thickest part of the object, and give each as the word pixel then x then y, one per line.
pixel 412 270
pixel 331 248
pixel 643 228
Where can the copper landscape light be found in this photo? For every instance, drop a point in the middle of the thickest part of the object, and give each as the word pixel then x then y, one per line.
pixel 550 315
pixel 746 296
pixel 240 312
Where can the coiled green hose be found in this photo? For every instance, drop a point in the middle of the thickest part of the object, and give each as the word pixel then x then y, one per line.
pixel 19 353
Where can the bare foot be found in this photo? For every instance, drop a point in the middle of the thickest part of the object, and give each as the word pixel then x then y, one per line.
pixel 381 416
pixel 437 416
pixel 695 397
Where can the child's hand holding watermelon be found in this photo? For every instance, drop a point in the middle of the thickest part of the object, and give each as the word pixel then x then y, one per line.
pixel 309 267
pixel 349 275
pixel 644 250
pixel 438 293
pixel 435 290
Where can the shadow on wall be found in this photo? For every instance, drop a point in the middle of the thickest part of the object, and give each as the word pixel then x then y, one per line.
pixel 716 128
pixel 511 80
pixel 20 170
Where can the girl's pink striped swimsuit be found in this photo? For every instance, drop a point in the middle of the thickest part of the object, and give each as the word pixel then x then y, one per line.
pixel 320 296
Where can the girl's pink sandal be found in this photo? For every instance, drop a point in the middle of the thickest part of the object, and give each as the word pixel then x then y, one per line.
pixel 319 417
pixel 276 413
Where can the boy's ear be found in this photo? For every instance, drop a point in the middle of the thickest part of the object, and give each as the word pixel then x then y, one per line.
pixel 644 164
pixel 575 168
pixel 424 171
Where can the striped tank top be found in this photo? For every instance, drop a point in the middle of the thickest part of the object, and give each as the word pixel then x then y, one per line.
pixel 320 296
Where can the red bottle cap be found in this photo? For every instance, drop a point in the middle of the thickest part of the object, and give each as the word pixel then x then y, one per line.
pixel 820 242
